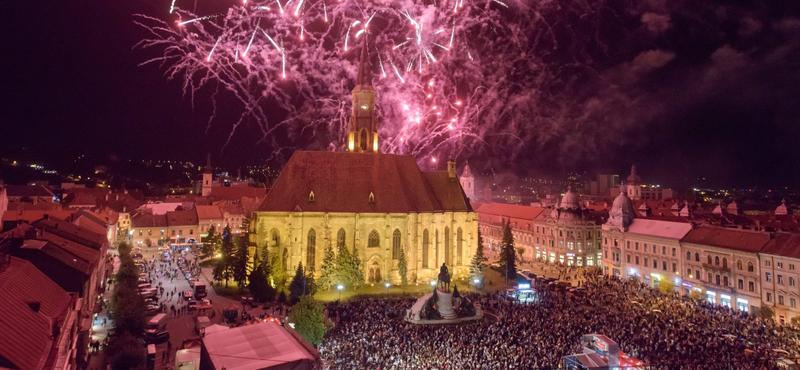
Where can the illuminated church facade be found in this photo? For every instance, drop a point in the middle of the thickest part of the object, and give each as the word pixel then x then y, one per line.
pixel 377 203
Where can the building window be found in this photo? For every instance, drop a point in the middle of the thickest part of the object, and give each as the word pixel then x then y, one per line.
pixel 459 245
pixel 779 264
pixel 739 264
pixel 570 245
pixel 674 252
pixel 780 300
pixel 697 257
pixel 311 249
pixel 780 279
pixel 749 267
pixel 710 277
pixel 717 281
pixel 374 239
pixel 675 267
pixel 140 232
pixel 688 256
pixel 769 297
pixel 769 276
pixel 655 248
pixel 425 241
pixel 646 261
pixel 689 272
pixel 791 266
pixel 396 244
pixel 655 264
pixel 741 284
pixel 664 265
pixel 697 274
pixel 724 262
pixel 791 281
pixel 793 302
pixel 767 263
pixel 725 280
pixel 637 245
pixel 664 250
pixel 628 258
pixel 637 260
pixel 716 261
pixel 710 262
pixel 751 286
pixel 191 231
pixel 340 238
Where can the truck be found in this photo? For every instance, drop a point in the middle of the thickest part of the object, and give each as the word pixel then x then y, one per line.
pixel 201 323
pixel 157 322
pixel 199 290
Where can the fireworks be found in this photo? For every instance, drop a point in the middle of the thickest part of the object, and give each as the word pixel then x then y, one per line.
pixel 302 69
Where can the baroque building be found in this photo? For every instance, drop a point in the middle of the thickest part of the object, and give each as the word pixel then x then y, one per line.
pixel 375 203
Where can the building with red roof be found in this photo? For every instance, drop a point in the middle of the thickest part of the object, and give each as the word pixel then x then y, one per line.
pixel 376 203
pixel 38 319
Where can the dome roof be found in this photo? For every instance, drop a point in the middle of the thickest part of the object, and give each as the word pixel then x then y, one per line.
pixel 622 212
pixel 569 200
pixel 633 177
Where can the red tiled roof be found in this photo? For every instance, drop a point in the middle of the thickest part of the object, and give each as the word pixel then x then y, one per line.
pixel 784 244
pixel 182 218
pixel 147 219
pixel 510 210
pixel 25 335
pixel 28 191
pixel 71 232
pixel 33 215
pixel 208 212
pixel 237 192
pixel 742 240
pixel 342 182
pixel 250 205
pixel 232 209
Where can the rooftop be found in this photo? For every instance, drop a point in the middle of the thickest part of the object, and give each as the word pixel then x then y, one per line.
pixel 658 228
pixel 737 239
pixel 259 346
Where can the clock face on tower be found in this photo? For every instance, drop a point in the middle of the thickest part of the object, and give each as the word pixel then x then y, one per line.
pixel 364 106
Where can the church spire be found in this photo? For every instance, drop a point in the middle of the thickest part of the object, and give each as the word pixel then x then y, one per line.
pixel 207 168
pixel 362 129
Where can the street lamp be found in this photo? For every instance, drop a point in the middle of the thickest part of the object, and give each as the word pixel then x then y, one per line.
pixel 387 287
pixel 433 284
pixel 477 283
pixel 340 287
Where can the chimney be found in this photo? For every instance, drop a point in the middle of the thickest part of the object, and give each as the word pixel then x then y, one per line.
pixel 451 168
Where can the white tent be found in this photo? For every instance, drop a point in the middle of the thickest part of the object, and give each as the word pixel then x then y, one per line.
pixel 256 347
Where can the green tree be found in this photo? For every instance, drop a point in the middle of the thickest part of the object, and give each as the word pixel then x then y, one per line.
pixel 148 243
pixel 211 243
pixel 224 266
pixel 259 286
pixel 241 258
pixel 357 274
pixel 476 267
pixel 328 276
pixel 311 283
pixel 508 262
pixel 344 266
pixel 666 287
pixel 264 262
pixel 126 353
pixel 297 286
pixel 695 295
pixel 309 320
pixel 278 272
pixel 766 312
pixel 402 267
pixel 282 297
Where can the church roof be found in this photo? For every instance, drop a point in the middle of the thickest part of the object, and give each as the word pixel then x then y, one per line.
pixel 633 177
pixel 343 182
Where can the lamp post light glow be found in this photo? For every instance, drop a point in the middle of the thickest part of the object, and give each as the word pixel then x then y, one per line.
pixel 477 283
pixel 433 284
pixel 387 287
pixel 340 287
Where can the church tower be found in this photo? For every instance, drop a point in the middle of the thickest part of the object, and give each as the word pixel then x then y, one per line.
pixel 208 177
pixel 362 129
pixel 468 182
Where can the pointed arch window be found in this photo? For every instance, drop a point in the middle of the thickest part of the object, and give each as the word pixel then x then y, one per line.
pixel 459 246
pixel 276 238
pixel 311 196
pixel 396 244
pixel 311 248
pixel 448 254
pixel 425 245
pixel 374 239
pixel 371 197
pixel 436 248
pixel 362 141
pixel 340 238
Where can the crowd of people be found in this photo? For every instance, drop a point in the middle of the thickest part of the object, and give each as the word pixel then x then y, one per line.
pixel 665 332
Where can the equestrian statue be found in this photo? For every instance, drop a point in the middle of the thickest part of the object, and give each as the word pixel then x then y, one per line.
pixel 444 278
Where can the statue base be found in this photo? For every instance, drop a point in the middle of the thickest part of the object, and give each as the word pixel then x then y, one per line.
pixel 444 306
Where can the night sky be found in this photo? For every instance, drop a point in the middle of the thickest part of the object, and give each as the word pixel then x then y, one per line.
pixel 693 89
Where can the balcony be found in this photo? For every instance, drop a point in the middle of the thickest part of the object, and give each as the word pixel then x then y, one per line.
pixel 716 267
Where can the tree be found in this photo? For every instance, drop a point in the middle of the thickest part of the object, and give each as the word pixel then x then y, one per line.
pixel 476 267
pixel 344 266
pixel 357 274
pixel 297 286
pixel 241 257
pixel 127 353
pixel 455 292
pixel 666 287
pixel 766 312
pixel 223 268
pixel 402 267
pixel 259 286
pixel 521 253
pixel 211 243
pixel 508 261
pixel 309 320
pixel 695 295
pixel 311 283
pixel 328 276
pixel 264 262
pixel 282 297
pixel 278 272
pixel 148 243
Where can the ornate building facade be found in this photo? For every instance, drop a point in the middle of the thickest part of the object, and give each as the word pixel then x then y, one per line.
pixel 375 203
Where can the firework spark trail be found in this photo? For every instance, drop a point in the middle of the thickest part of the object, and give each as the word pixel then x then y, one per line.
pixel 318 94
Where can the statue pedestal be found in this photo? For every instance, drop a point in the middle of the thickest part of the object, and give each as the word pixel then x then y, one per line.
pixel 445 305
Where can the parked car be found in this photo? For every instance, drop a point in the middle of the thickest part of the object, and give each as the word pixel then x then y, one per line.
pixel 152 310
pixel 155 336
pixel 192 305
pixel 187 294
